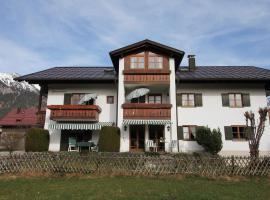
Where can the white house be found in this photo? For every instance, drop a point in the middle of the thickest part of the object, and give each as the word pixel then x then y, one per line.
pixel 170 102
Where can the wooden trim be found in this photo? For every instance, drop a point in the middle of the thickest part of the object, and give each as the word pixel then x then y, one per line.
pixel 149 71
pixel 74 107
pixel 146 105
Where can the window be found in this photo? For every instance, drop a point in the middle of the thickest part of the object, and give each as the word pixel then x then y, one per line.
pixel 238 132
pixel 138 100
pixel 188 100
pixel 235 100
pixel 155 61
pixel 137 61
pixel 189 132
pixel 74 99
pixel 110 99
pixel 155 98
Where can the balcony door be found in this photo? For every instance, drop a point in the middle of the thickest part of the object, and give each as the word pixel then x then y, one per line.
pixel 156 133
pixel 137 138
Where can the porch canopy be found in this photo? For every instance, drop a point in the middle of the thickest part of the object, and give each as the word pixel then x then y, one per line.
pixel 146 122
pixel 79 126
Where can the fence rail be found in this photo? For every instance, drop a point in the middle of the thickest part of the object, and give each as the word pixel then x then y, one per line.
pixel 134 164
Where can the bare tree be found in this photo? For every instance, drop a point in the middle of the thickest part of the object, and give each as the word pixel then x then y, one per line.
pixel 10 140
pixel 255 131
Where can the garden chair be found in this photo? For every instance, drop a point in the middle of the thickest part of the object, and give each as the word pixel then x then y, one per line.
pixel 151 145
pixel 72 144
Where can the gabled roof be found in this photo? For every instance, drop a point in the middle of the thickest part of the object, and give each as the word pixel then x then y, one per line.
pixel 25 117
pixel 223 73
pixel 72 74
pixel 146 45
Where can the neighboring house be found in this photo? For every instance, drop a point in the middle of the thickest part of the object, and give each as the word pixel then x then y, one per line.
pixel 18 121
pixel 179 100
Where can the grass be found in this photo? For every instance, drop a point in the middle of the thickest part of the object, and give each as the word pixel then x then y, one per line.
pixel 133 188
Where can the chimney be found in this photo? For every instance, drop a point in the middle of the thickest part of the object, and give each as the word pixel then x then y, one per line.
pixel 191 62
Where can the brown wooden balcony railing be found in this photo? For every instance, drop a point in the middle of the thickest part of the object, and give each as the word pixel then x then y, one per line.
pixel 74 112
pixel 150 76
pixel 41 118
pixel 146 111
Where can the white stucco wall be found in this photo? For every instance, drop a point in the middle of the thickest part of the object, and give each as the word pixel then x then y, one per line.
pixel 56 97
pixel 214 115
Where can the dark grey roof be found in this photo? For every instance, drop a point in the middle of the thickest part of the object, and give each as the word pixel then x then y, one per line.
pixel 62 74
pixel 108 74
pixel 233 73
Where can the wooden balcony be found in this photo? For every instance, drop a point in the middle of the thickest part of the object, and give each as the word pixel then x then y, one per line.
pixel 74 112
pixel 41 118
pixel 146 111
pixel 150 76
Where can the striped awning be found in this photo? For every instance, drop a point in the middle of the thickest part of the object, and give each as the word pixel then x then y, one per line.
pixel 73 126
pixel 150 122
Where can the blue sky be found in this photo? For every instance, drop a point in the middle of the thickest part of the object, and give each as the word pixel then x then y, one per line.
pixel 38 34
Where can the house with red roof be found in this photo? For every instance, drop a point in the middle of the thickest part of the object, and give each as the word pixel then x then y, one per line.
pixel 18 121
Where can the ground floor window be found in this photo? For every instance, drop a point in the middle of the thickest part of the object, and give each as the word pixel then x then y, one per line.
pixel 189 132
pixel 238 132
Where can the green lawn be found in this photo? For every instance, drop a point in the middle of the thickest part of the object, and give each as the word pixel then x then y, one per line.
pixel 133 188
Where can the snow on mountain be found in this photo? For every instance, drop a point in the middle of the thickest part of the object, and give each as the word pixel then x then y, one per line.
pixel 9 85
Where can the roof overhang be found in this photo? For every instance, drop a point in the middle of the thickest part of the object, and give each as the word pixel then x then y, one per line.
pixel 146 45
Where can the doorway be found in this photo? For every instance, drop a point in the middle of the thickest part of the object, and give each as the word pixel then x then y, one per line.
pixel 137 133
pixel 156 133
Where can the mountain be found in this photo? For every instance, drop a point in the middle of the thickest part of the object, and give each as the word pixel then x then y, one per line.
pixel 16 94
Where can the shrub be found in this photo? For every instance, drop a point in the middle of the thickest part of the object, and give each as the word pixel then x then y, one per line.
pixel 210 140
pixel 37 139
pixel 109 139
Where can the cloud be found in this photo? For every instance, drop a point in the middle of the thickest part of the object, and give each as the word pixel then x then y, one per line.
pixel 41 34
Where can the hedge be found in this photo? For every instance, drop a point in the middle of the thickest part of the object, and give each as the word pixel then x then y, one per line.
pixel 109 139
pixel 37 140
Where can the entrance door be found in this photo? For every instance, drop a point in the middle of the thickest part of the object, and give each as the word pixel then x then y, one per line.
pixel 156 133
pixel 137 137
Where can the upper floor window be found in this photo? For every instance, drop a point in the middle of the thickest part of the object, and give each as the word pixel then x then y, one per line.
pixel 140 99
pixel 155 61
pixel 189 99
pixel 110 99
pixel 235 100
pixel 137 61
pixel 155 98
pixel 77 99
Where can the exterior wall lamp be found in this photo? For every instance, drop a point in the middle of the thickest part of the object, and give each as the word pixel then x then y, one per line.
pixel 125 128
pixel 168 128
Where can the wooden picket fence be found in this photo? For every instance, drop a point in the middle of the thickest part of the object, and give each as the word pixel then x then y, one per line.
pixel 134 164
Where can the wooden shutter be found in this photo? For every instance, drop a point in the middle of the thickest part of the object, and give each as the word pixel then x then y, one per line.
pixel 246 100
pixel 228 133
pixel 67 99
pixel 180 134
pixel 198 100
pixel 225 100
pixel 178 99
pixel 248 132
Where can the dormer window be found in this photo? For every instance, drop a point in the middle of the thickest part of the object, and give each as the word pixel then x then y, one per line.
pixel 155 61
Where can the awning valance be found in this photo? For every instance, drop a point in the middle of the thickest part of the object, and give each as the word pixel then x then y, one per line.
pixel 73 126
pixel 150 122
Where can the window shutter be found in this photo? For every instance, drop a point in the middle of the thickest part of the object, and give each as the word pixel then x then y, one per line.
pixel 198 100
pixel 67 99
pixel 179 99
pixel 225 100
pixel 180 134
pixel 248 132
pixel 246 100
pixel 228 133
